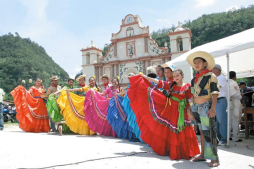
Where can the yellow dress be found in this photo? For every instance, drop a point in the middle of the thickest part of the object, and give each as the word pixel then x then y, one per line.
pixel 72 110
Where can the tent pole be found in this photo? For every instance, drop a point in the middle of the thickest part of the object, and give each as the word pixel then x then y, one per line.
pixel 228 100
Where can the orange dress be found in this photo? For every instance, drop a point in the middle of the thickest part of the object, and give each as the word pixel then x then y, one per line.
pixel 31 109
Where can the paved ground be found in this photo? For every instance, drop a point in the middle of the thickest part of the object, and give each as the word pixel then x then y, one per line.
pixel 49 150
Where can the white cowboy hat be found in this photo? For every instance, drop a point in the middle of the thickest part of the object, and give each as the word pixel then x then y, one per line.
pixel 171 66
pixel 81 76
pixel 201 54
pixel 54 78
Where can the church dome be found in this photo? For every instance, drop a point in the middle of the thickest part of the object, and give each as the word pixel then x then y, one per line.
pixel 179 28
pixel 91 45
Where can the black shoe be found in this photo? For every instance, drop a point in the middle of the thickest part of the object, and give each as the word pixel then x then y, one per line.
pixel 230 139
pixel 239 140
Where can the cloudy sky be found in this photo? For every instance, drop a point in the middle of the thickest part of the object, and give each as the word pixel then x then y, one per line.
pixel 63 27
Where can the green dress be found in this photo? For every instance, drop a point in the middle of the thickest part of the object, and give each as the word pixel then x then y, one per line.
pixel 53 109
pixel 54 112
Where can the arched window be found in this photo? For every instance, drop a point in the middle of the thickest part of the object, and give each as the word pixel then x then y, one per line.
pixel 87 58
pixel 98 58
pixel 179 41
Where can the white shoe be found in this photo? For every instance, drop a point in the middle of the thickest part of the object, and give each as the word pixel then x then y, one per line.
pixel 222 143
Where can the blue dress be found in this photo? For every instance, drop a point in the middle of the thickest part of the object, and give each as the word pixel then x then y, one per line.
pixel 117 119
pixel 131 117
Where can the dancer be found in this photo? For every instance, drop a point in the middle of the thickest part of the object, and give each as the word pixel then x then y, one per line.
pixel 160 75
pixel 96 110
pixel 72 108
pixel 168 68
pixel 131 117
pixel 81 79
pixel 205 89
pixel 70 84
pixel 52 106
pixel 54 87
pixel 92 85
pixel 31 108
pixel 116 115
pixel 163 121
pixel 105 80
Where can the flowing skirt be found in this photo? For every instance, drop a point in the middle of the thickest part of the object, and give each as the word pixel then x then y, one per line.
pixel 131 117
pixel 95 111
pixel 31 112
pixel 54 112
pixel 157 121
pixel 117 119
pixel 72 110
pixel 53 109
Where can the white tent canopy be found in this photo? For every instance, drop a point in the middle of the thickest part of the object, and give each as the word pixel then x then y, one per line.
pixel 240 48
pixel 233 53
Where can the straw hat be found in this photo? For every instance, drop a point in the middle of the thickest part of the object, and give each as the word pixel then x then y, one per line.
pixel 130 74
pixel 171 66
pixel 54 78
pixel 201 54
pixel 80 77
pixel 105 76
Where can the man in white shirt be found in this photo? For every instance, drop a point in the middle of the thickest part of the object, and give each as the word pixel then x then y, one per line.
pixel 221 107
pixel 235 106
pixel 1 109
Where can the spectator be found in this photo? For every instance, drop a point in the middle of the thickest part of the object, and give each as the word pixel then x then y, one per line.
pixel 235 106
pixel 246 98
pixel 221 107
pixel 1 109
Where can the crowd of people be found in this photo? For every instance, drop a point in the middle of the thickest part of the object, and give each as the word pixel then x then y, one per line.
pixel 159 110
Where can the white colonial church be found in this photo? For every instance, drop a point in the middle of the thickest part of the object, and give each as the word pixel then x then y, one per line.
pixel 133 50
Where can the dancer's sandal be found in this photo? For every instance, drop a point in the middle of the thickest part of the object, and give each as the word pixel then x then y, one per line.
pixel 198 159
pixel 214 163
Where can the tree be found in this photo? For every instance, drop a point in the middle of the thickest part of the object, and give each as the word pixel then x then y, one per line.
pixel 22 59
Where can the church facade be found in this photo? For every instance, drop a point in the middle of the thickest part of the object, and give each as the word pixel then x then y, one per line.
pixel 133 50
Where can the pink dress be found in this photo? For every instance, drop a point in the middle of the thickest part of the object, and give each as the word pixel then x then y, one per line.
pixel 111 91
pixel 95 110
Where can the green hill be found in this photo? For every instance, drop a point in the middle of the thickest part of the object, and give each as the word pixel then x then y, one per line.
pixel 208 28
pixel 20 58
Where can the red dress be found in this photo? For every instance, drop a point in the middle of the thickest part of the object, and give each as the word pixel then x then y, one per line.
pixel 157 118
pixel 31 110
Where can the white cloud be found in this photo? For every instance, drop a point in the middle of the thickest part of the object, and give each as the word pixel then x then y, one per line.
pixel 204 3
pixel 232 8
pixel 36 9
pixel 61 44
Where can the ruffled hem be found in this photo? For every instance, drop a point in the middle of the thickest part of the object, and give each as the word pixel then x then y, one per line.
pixel 96 112
pixel 72 107
pixel 117 119
pixel 53 109
pixel 131 117
pixel 157 122
pixel 31 112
